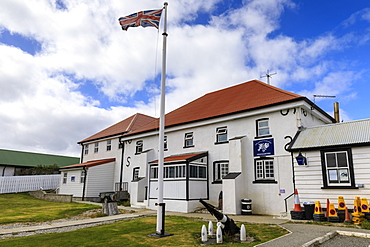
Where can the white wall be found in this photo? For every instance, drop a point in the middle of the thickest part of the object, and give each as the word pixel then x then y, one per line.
pixel 309 179
pixel 7 170
pixel 73 188
pixel 266 198
pixel 100 179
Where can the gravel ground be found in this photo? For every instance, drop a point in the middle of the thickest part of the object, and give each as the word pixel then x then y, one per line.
pixel 345 241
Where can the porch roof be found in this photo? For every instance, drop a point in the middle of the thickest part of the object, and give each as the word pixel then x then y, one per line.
pixel 90 163
pixel 346 133
pixel 182 157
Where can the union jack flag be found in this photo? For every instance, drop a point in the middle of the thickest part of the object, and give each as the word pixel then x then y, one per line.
pixel 146 18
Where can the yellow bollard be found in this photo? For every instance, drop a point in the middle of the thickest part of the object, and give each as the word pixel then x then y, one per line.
pixel 341 203
pixel 332 213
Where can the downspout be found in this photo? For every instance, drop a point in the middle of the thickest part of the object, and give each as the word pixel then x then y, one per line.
pixel 122 143
pixel 82 152
pixel 4 170
pixel 84 187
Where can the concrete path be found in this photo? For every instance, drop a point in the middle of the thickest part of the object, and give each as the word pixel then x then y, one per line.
pixel 300 234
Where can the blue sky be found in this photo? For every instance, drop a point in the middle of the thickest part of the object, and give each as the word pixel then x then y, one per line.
pixel 67 70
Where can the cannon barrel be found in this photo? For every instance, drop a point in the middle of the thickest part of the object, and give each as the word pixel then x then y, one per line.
pixel 230 227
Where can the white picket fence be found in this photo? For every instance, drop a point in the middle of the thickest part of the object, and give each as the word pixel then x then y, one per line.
pixel 15 184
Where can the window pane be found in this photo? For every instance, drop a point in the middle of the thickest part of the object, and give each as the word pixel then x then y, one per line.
pixel 343 175
pixel 259 169
pixel 269 170
pixel 202 172
pixel 172 172
pixel 263 124
pixel 222 138
pixel 342 159
pixel 333 175
pixel 330 160
pixel 224 169
pixel 193 172
pixel 262 132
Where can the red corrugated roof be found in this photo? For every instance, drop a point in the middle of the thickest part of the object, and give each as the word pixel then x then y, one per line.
pixel 180 157
pixel 243 97
pixel 90 163
pixel 129 124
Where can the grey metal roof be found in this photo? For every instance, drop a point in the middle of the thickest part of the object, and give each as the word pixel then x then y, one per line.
pixel 346 133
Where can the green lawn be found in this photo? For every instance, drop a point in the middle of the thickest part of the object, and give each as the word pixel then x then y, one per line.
pixel 136 232
pixel 22 207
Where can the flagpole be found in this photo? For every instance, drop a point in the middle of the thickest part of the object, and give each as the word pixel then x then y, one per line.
pixel 160 204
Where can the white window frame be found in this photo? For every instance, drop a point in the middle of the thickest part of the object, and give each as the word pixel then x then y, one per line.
pixel 86 149
pixel 139 147
pixel 262 126
pixel 96 147
pixel 135 173
pixel 109 145
pixel 189 140
pixel 264 169
pixel 221 133
pixel 65 177
pixel 83 176
pixel 337 174
pixel 221 169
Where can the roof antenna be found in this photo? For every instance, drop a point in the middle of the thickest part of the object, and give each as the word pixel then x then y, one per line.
pixel 321 96
pixel 268 75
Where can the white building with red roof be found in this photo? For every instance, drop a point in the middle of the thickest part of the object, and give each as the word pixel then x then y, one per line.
pixel 222 147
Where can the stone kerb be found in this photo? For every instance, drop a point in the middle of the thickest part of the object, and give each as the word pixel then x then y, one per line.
pixel 51 197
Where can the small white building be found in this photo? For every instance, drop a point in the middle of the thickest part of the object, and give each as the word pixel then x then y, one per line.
pixel 229 144
pixel 337 162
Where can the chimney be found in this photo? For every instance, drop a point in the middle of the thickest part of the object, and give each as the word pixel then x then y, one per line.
pixel 336 112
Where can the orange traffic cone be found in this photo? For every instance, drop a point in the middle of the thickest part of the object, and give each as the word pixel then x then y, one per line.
pixel 327 208
pixel 347 218
pixel 297 204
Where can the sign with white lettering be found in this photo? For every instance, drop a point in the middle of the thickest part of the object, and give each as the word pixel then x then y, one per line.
pixel 263 147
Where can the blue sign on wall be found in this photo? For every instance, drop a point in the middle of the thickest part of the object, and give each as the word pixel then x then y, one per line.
pixel 263 147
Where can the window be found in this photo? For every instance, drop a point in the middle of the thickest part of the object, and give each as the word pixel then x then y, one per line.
pixel 109 145
pixel 165 143
pixel 64 178
pixel 221 135
pixel 337 168
pixel 154 172
pixel 135 174
pixel 86 150
pixel 220 170
pixel 197 171
pixel 96 147
pixel 263 128
pixel 139 147
pixel 83 176
pixel 264 170
pixel 189 140
pixel 174 171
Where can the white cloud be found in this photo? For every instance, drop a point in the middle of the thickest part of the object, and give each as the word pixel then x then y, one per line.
pixel 45 111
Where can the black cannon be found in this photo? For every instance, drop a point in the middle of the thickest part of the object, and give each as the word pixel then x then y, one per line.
pixel 230 227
